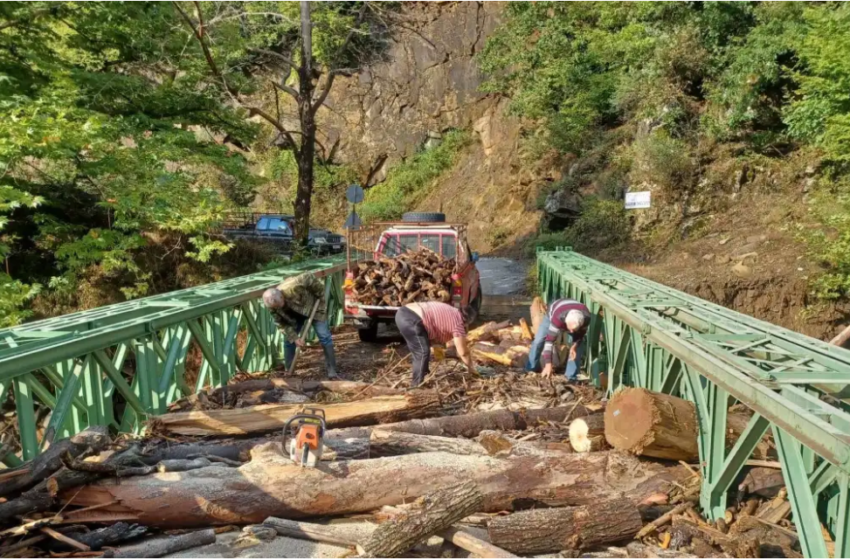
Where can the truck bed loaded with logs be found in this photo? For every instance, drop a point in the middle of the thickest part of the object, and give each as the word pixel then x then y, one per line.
pixel 421 258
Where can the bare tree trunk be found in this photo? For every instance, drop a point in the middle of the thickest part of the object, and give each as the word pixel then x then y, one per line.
pixel 306 114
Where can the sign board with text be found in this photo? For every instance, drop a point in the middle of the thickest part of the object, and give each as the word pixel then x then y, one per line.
pixel 637 200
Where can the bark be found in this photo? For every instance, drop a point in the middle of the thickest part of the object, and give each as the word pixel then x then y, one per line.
pixel 652 424
pixel 538 311
pixel 158 548
pixel 337 448
pixel 762 482
pixel 305 155
pixel 550 530
pixel 736 423
pixel 262 418
pixel 433 513
pixel 588 433
pixel 386 443
pixel 271 485
pixel 340 534
pixel 639 550
pixel 475 545
pixel 470 425
pixel 118 532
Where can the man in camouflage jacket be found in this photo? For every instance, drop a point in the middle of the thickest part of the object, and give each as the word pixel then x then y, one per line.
pixel 291 304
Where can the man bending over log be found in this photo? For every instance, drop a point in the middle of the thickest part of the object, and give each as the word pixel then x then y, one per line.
pixel 565 315
pixel 423 323
pixel 291 304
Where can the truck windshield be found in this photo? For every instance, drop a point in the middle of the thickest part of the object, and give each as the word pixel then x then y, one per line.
pixel 274 224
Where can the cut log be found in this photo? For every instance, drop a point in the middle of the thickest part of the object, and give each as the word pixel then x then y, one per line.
pixel 640 550
pixel 652 424
pixel 763 482
pixel 588 434
pixel 470 425
pixel 487 331
pixel 385 443
pixel 432 513
pixel 157 548
pixel 336 449
pixel 339 534
pixel 550 530
pixel 736 423
pixel 263 418
pixel 525 330
pixel 272 486
pixel 538 311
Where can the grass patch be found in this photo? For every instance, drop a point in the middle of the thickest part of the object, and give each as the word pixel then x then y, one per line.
pixel 411 180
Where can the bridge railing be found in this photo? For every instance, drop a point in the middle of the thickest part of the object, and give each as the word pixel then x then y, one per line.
pixel 117 365
pixel 647 335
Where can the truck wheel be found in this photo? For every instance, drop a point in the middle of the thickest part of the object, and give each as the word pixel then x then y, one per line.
pixel 479 297
pixel 423 217
pixel 368 333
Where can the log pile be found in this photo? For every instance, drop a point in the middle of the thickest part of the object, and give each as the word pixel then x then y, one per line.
pixel 402 469
pixel 414 276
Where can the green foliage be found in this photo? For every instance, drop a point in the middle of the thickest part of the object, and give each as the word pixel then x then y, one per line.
pixel 602 223
pixel 14 295
pixel 831 247
pixel 659 159
pixel 409 181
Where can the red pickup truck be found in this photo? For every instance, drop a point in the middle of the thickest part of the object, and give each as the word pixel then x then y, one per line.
pixel 417 229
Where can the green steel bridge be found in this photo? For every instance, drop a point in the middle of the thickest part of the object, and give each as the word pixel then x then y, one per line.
pixel 71 372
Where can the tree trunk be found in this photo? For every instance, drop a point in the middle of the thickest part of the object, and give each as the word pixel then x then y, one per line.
pixel 540 531
pixel 588 433
pixel 384 443
pixel 306 114
pixel 470 425
pixel 341 534
pixel 336 449
pixel 118 532
pixel 271 485
pixel 433 513
pixel 268 417
pixel 652 424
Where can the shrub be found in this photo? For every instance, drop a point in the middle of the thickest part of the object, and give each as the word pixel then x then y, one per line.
pixel 602 223
pixel 660 159
pixel 831 247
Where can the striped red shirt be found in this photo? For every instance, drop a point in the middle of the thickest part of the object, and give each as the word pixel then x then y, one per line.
pixel 442 321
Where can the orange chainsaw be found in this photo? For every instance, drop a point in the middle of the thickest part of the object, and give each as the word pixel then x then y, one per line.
pixel 306 437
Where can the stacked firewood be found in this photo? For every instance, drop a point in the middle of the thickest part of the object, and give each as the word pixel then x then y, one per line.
pixel 421 275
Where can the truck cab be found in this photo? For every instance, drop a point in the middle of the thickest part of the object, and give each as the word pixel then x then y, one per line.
pixel 447 240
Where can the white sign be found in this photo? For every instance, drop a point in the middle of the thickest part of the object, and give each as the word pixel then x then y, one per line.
pixel 637 200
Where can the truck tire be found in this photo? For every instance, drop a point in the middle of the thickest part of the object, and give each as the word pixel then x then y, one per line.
pixel 423 217
pixel 479 297
pixel 368 333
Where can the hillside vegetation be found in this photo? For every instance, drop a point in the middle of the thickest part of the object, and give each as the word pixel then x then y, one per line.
pixel 689 100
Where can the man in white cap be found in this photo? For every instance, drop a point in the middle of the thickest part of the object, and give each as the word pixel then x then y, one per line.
pixel 565 315
pixel 291 304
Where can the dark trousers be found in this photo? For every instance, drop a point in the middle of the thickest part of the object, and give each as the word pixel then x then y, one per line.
pixel 413 330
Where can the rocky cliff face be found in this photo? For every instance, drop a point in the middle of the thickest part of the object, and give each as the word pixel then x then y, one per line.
pixel 427 84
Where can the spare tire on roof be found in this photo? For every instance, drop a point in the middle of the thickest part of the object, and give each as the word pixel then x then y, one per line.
pixel 420 217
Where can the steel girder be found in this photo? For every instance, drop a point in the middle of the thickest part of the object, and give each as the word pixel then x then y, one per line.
pixel 117 365
pixel 648 335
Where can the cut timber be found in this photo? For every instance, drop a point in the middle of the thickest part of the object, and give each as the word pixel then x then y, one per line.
pixel 540 531
pixel 339 534
pixel 639 550
pixel 157 548
pixel 588 434
pixel 431 514
pixel 538 311
pixel 385 443
pixel 470 425
pixel 525 330
pixel 415 404
pixel 487 331
pixel 336 449
pixel 475 545
pixel 271 485
pixel 652 424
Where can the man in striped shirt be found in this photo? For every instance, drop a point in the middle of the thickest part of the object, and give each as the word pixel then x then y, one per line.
pixel 423 323
pixel 565 315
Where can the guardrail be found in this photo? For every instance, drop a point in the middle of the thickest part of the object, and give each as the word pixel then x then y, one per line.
pixel 647 335
pixel 117 365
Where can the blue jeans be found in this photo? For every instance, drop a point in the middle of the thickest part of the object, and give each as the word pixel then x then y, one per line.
pixel 322 331
pixel 536 351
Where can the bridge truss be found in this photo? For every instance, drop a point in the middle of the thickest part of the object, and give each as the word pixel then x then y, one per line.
pixel 645 334
pixel 117 365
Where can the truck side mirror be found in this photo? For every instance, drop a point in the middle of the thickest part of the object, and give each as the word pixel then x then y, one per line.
pixel 475 256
